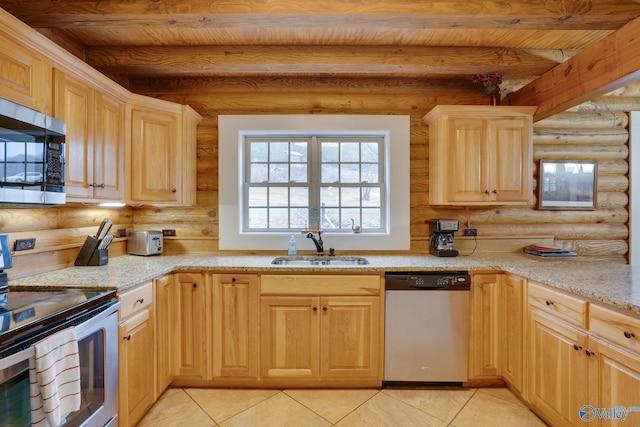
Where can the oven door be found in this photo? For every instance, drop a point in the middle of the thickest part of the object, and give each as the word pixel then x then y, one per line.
pixel 98 354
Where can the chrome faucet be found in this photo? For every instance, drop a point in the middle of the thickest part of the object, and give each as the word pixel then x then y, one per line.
pixel 319 244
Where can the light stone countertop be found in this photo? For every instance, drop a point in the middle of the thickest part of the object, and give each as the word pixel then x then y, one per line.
pixel 599 279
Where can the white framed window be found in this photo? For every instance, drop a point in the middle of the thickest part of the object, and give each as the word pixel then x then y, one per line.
pixel 332 183
pixel 280 174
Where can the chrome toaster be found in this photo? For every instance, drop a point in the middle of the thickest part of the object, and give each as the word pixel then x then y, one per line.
pixel 144 242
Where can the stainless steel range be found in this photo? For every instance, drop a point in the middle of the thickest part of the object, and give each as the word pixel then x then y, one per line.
pixel 28 316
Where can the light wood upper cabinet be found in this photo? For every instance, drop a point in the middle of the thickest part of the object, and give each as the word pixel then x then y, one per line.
pixel 161 143
pixel 236 304
pixel 25 76
pixel 94 140
pixel 480 155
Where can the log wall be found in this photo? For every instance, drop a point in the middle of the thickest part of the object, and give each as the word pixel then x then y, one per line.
pixel 596 130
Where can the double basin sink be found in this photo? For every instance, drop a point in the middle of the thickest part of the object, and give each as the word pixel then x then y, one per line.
pixel 319 260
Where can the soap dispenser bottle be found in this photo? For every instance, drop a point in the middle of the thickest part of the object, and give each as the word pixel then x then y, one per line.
pixel 292 247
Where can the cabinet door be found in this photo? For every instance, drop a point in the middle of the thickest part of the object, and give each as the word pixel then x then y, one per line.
pixel 512 308
pixel 108 148
pixel 191 304
pixel 614 383
pixel 558 370
pixel 350 337
pixel 73 103
pixel 24 76
pixel 167 344
pixel 236 308
pixel 484 327
pixel 290 337
pixel 154 156
pixel 136 390
pixel 466 177
pixel 509 160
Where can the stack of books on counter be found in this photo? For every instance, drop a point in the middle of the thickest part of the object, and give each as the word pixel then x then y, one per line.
pixel 547 252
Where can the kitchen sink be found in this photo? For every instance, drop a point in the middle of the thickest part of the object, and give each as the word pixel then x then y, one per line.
pixel 320 260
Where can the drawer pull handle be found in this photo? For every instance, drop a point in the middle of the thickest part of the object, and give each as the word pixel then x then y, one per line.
pixel 589 353
pixel 577 347
pixel 140 300
pixel 629 335
pixel 549 302
pixel 127 337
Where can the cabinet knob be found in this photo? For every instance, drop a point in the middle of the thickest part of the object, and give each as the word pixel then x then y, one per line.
pixel 315 308
pixel 140 300
pixel 577 347
pixel 94 185
pixel 324 309
pixel 549 302
pixel 233 279
pixel 101 185
pixel 195 285
pixel 589 353
pixel 174 191
pixel 629 334
pixel 127 337
pixel 486 191
pixel 495 191
pixel 481 285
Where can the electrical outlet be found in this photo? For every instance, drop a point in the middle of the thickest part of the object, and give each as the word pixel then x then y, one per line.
pixel 24 244
pixel 471 232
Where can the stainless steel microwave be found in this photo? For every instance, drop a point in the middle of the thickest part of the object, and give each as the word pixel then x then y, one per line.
pixel 32 161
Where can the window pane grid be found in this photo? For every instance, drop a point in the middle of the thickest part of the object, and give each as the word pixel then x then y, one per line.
pixel 282 193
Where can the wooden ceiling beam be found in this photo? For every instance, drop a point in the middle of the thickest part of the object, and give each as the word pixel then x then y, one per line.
pixel 603 67
pixel 408 61
pixel 309 21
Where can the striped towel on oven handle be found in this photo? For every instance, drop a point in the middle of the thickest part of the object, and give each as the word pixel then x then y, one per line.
pixel 54 375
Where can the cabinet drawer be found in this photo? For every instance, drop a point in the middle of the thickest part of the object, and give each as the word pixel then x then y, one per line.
pixel 135 300
pixel 615 327
pixel 562 306
pixel 276 284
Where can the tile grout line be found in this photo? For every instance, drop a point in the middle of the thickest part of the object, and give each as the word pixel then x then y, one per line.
pixel 215 423
pixel 419 409
pixel 336 423
pixel 463 406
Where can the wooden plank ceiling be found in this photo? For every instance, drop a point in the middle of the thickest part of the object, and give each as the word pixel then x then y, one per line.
pixel 446 40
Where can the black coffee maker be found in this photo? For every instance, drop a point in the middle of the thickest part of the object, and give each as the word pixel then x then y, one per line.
pixel 441 241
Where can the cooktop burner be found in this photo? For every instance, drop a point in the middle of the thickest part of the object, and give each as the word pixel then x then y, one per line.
pixel 24 310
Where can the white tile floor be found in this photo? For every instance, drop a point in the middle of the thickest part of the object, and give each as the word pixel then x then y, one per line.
pixel 456 407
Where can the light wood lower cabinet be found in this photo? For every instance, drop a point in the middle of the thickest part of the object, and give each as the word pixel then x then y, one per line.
pixel 235 326
pixel 512 310
pixel 136 355
pixel 318 337
pixel 484 327
pixel 167 331
pixel 559 368
pixel 191 316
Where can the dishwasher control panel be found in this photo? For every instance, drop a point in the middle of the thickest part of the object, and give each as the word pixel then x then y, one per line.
pixel 447 281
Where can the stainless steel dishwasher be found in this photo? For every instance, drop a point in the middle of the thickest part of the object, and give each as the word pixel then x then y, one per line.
pixel 426 327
